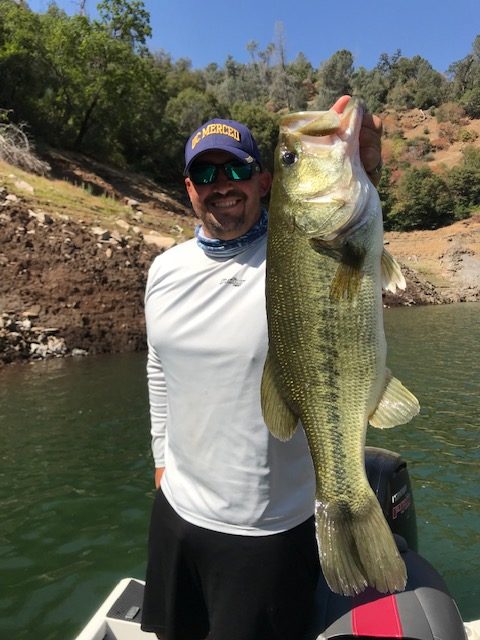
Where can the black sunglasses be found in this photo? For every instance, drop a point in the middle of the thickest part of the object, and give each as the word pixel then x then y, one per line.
pixel 207 172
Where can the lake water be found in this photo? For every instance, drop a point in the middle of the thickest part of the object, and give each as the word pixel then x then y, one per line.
pixel 76 474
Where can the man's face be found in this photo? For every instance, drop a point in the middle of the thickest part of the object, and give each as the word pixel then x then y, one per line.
pixel 227 208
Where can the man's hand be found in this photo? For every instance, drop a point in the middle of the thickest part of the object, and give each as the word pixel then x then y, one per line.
pixel 370 141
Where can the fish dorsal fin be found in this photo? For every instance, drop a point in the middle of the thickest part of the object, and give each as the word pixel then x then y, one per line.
pixel 279 418
pixel 397 405
pixel 392 276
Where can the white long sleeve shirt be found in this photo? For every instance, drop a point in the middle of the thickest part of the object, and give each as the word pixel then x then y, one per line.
pixel 207 337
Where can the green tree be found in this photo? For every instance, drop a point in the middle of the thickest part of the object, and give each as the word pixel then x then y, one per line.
pixel 423 201
pixel 263 124
pixel 126 20
pixel 465 73
pixel 371 87
pixel 387 196
pixel 190 108
pixel 464 182
pixel 178 74
pixel 471 101
pixel 334 78
pixel 92 73
pixel 24 73
pixel 464 185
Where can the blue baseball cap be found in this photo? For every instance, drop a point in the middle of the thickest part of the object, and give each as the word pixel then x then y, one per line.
pixel 223 135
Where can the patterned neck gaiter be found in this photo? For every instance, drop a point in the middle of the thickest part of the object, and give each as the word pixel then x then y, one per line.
pixel 229 248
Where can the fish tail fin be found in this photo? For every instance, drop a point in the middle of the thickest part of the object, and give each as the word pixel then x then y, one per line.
pixel 358 549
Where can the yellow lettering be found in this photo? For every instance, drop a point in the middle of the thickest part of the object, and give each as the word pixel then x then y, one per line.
pixel 222 129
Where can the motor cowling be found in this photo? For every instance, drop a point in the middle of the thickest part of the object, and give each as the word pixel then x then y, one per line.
pixel 388 476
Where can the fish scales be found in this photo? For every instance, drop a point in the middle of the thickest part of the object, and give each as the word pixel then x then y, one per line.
pixel 327 351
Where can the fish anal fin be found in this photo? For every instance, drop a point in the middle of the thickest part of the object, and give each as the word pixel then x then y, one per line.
pixel 392 276
pixel 279 418
pixel 396 406
pixel 348 277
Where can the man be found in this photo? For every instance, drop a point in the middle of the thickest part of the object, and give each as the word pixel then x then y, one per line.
pixel 232 550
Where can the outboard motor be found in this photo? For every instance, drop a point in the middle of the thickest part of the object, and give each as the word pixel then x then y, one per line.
pixel 388 476
pixel 424 611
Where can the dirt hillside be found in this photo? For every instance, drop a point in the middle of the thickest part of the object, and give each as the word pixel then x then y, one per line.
pixel 74 259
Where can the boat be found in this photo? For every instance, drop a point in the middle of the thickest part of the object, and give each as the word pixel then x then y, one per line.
pixel 425 610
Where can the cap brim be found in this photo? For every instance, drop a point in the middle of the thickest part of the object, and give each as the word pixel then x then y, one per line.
pixel 234 151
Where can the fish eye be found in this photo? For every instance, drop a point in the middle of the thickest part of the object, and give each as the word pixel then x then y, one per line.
pixel 289 158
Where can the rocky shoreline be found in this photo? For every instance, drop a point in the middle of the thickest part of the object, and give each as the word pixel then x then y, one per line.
pixel 68 288
pixel 71 289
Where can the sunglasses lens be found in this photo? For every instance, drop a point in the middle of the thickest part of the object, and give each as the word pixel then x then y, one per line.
pixel 203 173
pixel 238 170
pixel 206 173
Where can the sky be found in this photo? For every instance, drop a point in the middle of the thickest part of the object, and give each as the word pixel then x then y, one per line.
pixel 205 31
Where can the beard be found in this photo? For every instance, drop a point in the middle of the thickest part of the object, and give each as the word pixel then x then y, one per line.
pixel 222 223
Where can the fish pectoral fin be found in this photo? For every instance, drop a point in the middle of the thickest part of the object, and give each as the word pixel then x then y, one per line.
pixel 397 405
pixel 348 277
pixel 279 418
pixel 392 276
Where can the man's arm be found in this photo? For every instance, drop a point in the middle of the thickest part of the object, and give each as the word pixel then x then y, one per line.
pixel 158 476
pixel 370 141
pixel 157 391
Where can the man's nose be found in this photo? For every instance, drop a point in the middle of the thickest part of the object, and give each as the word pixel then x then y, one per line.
pixel 222 179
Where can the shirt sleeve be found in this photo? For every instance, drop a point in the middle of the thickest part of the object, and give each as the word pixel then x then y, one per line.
pixel 157 391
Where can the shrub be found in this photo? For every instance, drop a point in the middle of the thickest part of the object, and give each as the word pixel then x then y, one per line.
pixel 467 135
pixel 450 112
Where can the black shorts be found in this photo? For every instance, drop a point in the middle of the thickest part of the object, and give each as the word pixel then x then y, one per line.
pixel 203 583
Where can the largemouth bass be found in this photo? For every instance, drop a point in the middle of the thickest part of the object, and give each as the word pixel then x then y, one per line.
pixel 326 364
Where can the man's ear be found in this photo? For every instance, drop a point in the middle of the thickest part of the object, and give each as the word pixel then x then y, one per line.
pixel 265 178
pixel 188 185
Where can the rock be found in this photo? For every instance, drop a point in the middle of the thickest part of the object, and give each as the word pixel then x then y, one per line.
pixel 103 234
pixel 130 202
pixel 24 186
pixel 123 224
pixel 41 216
pixel 116 237
pixel 56 346
pixel 12 198
pixel 162 242
pixel 79 352
pixel 32 312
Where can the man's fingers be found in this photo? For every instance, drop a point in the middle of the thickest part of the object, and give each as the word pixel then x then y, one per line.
pixel 372 123
pixel 370 140
pixel 340 104
pixel 371 146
